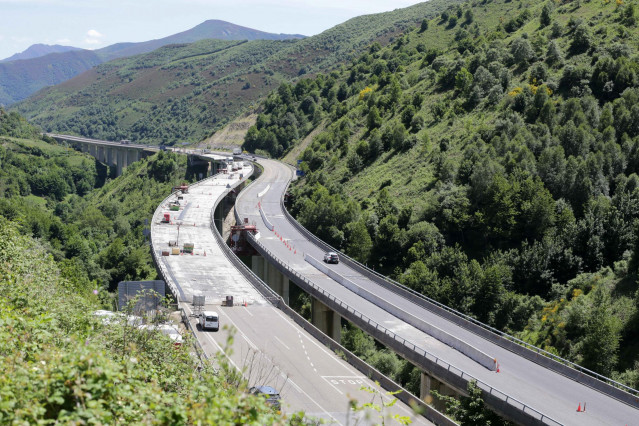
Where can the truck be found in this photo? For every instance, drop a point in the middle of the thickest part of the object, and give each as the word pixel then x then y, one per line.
pixel 237 151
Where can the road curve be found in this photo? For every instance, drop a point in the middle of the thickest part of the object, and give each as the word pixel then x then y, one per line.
pixel 548 392
pixel 269 347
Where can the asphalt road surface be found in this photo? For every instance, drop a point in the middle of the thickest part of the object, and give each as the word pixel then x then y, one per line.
pixel 546 391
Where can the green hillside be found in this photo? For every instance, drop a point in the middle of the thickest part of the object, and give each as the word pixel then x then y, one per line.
pixel 182 93
pixel 21 78
pixel 63 248
pixel 488 158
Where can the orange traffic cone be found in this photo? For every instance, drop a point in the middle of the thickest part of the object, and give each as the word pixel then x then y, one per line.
pixel 579 408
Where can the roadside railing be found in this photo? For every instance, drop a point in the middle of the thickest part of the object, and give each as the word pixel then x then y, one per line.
pixel 629 395
pixel 536 414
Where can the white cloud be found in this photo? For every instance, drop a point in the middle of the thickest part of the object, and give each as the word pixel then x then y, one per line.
pixel 94 34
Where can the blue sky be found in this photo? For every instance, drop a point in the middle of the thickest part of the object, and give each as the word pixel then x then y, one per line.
pixel 93 24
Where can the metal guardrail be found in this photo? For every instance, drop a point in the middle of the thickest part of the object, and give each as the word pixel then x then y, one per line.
pixel 198 347
pixel 411 346
pixel 394 286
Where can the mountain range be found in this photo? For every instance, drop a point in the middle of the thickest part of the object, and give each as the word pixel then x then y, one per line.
pixel 39 66
pixel 38 50
pixel 183 93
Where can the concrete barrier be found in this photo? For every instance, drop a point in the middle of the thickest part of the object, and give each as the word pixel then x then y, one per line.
pixel 470 351
pixel 403 395
pixel 268 224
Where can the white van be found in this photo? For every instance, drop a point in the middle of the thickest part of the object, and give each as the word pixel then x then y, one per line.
pixel 209 319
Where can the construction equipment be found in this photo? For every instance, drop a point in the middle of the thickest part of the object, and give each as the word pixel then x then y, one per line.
pixel 188 248
pixel 166 218
pixel 184 188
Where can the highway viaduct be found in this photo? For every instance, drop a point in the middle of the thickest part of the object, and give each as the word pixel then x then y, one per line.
pixel 531 388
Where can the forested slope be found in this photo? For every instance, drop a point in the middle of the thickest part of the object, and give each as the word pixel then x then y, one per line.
pixel 182 93
pixel 488 158
pixel 61 250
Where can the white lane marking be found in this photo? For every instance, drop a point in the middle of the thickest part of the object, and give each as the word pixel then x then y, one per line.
pixel 322 348
pixel 281 372
pixel 221 350
pixel 261 194
pixel 300 390
pixel 347 366
pixel 283 344
pixel 333 386
pixel 251 344
pixel 345 377
pixel 249 312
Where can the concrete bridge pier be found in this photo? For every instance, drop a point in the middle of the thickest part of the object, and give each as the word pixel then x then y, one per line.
pixel 120 161
pixel 93 150
pixel 271 276
pixel 132 155
pixel 108 156
pixel 327 320
pixel 429 383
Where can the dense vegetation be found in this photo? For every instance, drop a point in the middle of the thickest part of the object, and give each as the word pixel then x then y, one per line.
pixel 60 196
pixel 181 93
pixel 61 365
pixel 488 163
pixel 62 248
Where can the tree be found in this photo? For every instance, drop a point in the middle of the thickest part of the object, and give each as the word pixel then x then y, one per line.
pixel 471 409
pixel 468 17
pixel 545 19
pixel 581 39
pixel 601 342
pixel 360 243
pixel 522 51
pixel 374 119
pixel 424 25
pixel 553 54
pixel 463 81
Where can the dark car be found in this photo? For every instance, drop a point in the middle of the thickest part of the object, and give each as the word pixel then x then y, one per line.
pixel 272 396
pixel 331 257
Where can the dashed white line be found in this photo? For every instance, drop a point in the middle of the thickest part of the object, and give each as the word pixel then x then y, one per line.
pixel 283 344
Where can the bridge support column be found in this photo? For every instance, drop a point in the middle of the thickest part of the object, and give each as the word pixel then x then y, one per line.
pixel 271 276
pixel 278 282
pixel 328 321
pixel 108 154
pixel 93 150
pixel 120 155
pixel 133 155
pixel 257 266
pixel 429 383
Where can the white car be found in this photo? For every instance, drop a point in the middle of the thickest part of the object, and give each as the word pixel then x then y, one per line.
pixel 209 320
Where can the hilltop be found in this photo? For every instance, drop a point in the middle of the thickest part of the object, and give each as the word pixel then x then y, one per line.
pixel 37 50
pixel 26 73
pixel 182 93
pixel 488 159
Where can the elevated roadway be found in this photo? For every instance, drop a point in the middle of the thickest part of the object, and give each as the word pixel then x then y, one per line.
pixel 269 347
pixel 521 384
